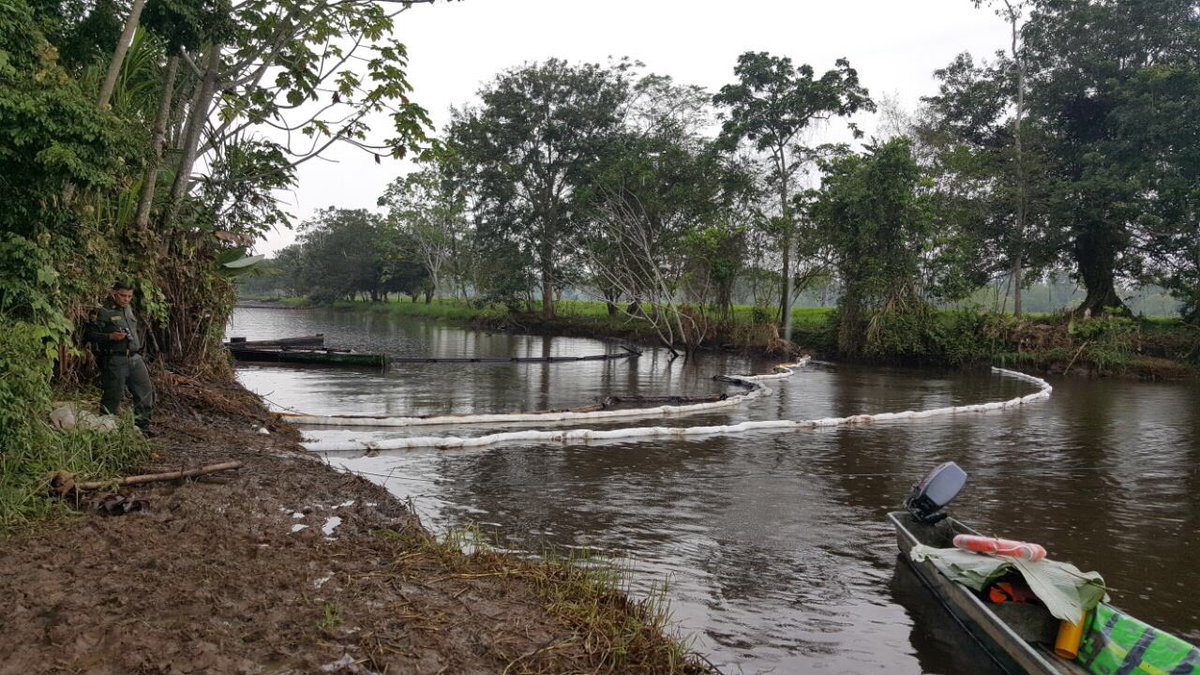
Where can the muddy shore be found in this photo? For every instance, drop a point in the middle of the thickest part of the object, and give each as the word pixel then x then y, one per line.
pixel 287 566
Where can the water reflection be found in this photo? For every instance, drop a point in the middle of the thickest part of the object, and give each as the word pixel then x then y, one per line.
pixel 774 544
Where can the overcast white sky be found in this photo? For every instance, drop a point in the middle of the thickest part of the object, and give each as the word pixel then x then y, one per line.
pixel 455 48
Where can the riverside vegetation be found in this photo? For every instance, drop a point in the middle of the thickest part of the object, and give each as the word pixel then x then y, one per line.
pixel 1152 348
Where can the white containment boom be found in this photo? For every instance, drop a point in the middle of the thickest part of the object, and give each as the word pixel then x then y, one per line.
pixel 646 433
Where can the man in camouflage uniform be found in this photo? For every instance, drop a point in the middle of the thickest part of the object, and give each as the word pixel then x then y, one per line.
pixel 114 332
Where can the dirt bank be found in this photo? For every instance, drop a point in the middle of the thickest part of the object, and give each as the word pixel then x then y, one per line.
pixel 286 566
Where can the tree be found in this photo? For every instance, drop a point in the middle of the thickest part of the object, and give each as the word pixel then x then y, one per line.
pixel 431 211
pixel 770 106
pixel 655 205
pixel 660 198
pixel 50 137
pixel 990 166
pixel 400 265
pixel 525 151
pixel 340 254
pixel 878 227
pixel 1113 84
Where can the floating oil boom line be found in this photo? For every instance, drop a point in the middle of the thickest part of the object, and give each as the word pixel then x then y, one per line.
pixel 647 433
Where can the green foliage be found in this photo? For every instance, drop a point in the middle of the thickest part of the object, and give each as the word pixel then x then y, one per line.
pixel 188 23
pixel 51 135
pixel 968 337
pixel 28 289
pixel 1114 84
pixel 878 229
pixel 338 254
pixel 237 196
pixel 773 101
pixel 897 332
pixel 1108 341
pixel 1104 327
pixel 344 252
pixel 1101 167
pixel 428 219
pixel 82 31
pixel 440 309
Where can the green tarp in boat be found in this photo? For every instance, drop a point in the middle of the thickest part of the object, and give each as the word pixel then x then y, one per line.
pixel 1114 643
pixel 1118 644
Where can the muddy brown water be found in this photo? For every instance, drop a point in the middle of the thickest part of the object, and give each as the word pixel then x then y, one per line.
pixel 773 546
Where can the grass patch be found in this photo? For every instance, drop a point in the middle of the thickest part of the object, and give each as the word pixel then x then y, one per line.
pixel 613 632
pixel 331 617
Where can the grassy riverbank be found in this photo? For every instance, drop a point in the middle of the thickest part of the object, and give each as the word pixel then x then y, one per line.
pixel 286 565
pixel 1155 348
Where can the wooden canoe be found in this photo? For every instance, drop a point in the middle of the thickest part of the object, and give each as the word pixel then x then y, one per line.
pixel 312 356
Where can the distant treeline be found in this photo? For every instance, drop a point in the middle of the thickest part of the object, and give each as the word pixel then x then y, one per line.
pixel 1075 152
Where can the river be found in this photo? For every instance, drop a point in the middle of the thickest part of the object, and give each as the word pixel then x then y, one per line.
pixel 773 547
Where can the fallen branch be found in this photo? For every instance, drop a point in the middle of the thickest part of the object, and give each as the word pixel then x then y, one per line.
pixel 155 477
pixel 1072 361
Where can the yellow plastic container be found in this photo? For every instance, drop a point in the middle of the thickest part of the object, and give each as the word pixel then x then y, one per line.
pixel 1069 637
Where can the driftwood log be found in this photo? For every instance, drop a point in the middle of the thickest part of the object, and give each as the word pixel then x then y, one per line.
pixel 154 477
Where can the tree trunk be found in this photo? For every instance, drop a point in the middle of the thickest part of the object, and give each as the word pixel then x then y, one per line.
pixel 118 57
pixel 849 329
pixel 1017 282
pixel 1096 263
pixel 159 142
pixel 195 128
pixel 785 305
pixel 724 300
pixel 1022 187
pixel 610 302
pixel 547 287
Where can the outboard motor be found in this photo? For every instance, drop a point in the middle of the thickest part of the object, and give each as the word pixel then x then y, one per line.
pixel 937 489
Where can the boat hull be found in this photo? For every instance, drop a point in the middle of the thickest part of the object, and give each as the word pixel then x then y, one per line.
pixel 1008 649
pixel 311 357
